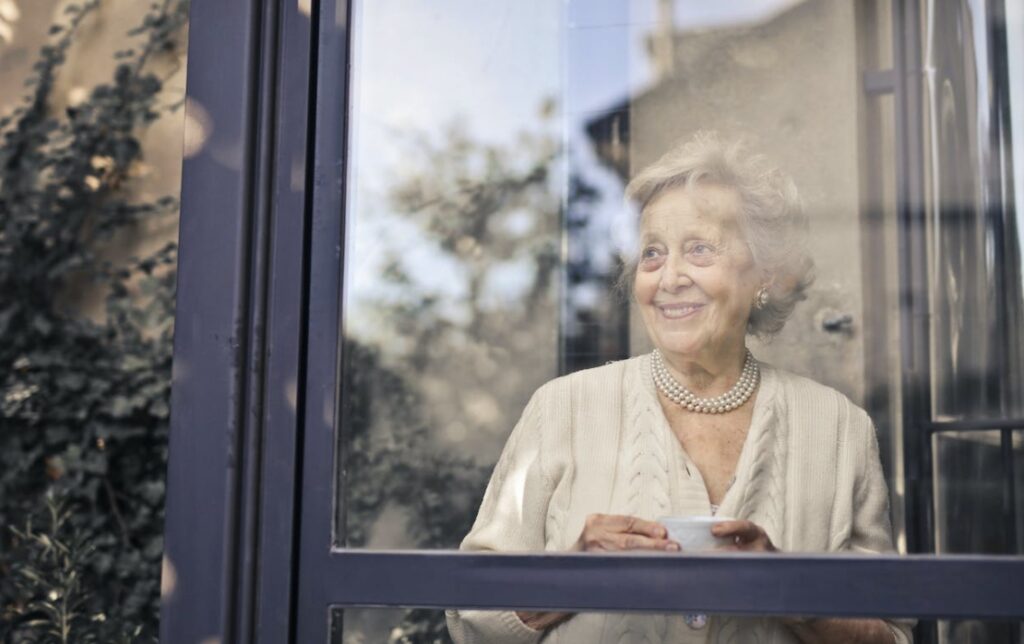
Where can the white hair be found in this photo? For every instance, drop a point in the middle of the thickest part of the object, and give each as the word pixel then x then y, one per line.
pixel 771 217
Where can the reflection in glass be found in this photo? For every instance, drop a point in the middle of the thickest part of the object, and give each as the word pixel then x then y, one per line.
pixel 450 317
pixel 975 631
pixel 970 510
pixel 975 296
pixel 882 340
pixel 426 626
pixel 485 225
pixel 1018 489
pixel 974 249
pixel 1013 17
pixel 490 144
pixel 388 625
pixel 973 514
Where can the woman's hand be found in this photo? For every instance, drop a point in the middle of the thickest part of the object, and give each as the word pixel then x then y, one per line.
pixel 615 532
pixel 750 537
pixel 541 620
pixel 850 630
pixel 746 536
pixel 606 533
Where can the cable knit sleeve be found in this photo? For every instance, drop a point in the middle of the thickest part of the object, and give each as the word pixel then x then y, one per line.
pixel 512 516
pixel 871 528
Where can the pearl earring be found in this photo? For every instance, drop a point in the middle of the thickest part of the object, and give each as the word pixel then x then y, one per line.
pixel 761 300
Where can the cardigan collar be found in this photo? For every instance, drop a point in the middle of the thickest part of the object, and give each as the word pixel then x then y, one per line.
pixel 757 491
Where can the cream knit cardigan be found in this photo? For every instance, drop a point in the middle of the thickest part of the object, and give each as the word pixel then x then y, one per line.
pixel 596 441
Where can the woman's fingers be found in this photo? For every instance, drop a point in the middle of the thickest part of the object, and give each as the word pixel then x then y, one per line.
pixel 745 530
pixel 639 542
pixel 611 532
pixel 540 621
pixel 747 535
pixel 628 524
pixel 616 541
pixel 647 528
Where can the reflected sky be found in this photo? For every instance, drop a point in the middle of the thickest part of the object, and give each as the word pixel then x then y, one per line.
pixel 419 68
pixel 491 63
pixel 489 66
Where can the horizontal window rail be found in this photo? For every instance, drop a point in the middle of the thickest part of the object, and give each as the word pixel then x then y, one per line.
pixel 922 586
pixel 974 425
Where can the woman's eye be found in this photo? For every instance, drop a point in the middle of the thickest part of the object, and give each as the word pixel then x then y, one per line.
pixel 649 253
pixel 702 254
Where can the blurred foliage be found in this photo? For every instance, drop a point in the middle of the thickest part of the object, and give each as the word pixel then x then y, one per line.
pixel 393 461
pixel 83 403
pixel 460 356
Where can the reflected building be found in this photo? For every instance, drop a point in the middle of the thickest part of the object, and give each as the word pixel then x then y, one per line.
pixel 789 86
pixel 797 85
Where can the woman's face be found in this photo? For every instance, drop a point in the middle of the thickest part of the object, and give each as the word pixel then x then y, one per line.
pixel 696 280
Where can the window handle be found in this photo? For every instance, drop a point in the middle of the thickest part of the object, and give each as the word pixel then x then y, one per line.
pixel 837 323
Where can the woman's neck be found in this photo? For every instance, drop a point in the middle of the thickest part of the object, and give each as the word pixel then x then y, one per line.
pixel 710 374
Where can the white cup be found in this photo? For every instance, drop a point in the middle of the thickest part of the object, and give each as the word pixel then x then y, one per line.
pixel 693 533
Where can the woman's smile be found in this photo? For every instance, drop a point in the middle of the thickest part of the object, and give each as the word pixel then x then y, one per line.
pixel 679 310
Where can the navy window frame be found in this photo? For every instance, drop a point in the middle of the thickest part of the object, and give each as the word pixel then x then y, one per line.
pixel 254 426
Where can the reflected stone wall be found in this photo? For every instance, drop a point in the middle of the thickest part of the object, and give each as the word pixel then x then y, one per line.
pixel 790 87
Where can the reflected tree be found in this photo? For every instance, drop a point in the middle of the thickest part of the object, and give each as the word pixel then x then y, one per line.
pixel 392 463
pixel 437 370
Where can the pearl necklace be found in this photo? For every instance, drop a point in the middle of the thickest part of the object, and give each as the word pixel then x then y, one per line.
pixel 685 398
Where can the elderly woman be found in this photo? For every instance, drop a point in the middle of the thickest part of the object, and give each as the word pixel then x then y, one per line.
pixel 698 426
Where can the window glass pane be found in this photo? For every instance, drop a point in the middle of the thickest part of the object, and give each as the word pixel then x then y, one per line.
pixel 1015 232
pixel 1018 487
pixel 425 626
pixel 973 239
pixel 453 255
pixel 490 248
pixel 882 313
pixel 973 512
pixel 429 626
pixel 974 631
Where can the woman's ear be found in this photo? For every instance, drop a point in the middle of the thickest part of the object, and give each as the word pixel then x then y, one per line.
pixel 764 290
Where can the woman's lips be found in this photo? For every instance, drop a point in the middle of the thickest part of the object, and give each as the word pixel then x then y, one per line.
pixel 679 311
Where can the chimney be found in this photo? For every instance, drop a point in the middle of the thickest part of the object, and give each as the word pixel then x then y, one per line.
pixel 662 40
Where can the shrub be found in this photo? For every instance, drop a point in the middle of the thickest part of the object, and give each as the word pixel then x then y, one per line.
pixel 83 403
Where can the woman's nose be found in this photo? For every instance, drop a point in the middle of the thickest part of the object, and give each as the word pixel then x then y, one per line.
pixel 675 274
